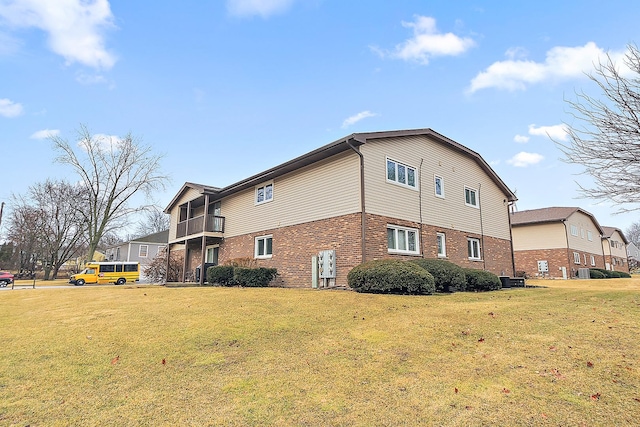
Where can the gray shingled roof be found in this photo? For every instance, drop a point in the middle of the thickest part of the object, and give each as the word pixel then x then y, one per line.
pixel 608 232
pixel 552 214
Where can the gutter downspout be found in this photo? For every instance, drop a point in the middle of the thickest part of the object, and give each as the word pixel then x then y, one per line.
pixel 566 236
pixel 484 258
pixel 363 221
pixel 513 258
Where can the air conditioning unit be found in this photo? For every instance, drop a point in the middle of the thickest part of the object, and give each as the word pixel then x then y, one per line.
pixel 583 273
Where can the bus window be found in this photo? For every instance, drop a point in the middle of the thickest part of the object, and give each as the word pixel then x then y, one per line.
pixel 131 267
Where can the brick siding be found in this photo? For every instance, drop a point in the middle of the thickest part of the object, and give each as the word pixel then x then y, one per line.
pixel 527 261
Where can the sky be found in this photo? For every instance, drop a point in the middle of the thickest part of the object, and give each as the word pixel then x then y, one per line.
pixel 224 89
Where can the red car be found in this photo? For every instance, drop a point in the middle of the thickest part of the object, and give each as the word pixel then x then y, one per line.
pixel 5 279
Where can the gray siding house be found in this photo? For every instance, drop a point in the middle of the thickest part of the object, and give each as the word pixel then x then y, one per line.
pixel 142 249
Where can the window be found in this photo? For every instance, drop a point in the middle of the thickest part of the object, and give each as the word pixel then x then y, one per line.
pixel 402 240
pixel 108 268
pixel 143 251
pixel 470 197
pixel 264 247
pixel 593 261
pixel 473 248
pixel 589 236
pixel 211 255
pixel 574 230
pixel 439 183
pixel 576 257
pixel 402 174
pixel 442 245
pixel 582 233
pixel 131 267
pixel 264 193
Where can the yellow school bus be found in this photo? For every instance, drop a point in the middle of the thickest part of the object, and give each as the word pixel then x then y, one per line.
pixel 115 272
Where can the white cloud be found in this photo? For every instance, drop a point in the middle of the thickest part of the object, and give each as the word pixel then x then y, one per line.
pixel 357 117
pixel 524 159
pixel 561 63
pixel 555 132
pixel 75 27
pixel 45 133
pixel 102 141
pixel 8 108
pixel 427 42
pixel 521 139
pixel 264 8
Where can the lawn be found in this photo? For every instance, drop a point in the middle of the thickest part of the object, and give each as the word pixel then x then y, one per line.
pixel 566 353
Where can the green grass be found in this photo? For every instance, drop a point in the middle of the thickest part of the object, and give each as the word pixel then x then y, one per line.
pixel 563 354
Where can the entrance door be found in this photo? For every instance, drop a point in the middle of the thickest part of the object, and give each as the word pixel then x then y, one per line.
pixel 212 255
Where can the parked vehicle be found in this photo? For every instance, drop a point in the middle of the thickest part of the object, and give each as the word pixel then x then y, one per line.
pixel 6 278
pixel 118 273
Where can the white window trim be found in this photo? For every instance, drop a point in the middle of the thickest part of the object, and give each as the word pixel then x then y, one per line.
pixel 589 236
pixel 255 246
pixel 435 178
pixel 444 245
pixel 140 251
pixel 477 241
pixel 574 230
pixel 397 228
pixel 576 258
pixel 593 261
pixel 206 252
pixel 415 174
pixel 264 187
pixel 477 205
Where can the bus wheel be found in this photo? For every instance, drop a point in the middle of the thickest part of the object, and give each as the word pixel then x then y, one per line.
pixel 121 281
pixel 79 282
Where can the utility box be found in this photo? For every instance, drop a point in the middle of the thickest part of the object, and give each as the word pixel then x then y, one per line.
pixel 583 273
pixel 327 264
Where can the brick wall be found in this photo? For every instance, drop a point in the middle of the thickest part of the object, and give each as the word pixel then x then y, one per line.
pixel 527 261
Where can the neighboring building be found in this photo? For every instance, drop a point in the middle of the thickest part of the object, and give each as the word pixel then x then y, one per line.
pixel 633 256
pixel 614 247
pixel 142 249
pixel 397 194
pixel 555 242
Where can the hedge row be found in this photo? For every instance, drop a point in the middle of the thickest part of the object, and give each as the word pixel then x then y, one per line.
pixel 422 276
pixel 228 275
pixel 601 273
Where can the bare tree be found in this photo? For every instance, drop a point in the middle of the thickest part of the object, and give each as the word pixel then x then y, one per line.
pixel 48 225
pixel 606 138
pixel 153 221
pixel 25 231
pixel 112 171
pixel 632 233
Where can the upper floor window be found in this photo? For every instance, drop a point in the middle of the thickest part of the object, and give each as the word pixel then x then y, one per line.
pixel 143 251
pixel 589 235
pixel 402 174
pixel 574 230
pixel 264 193
pixel 402 240
pixel 439 184
pixel 470 197
pixel 264 247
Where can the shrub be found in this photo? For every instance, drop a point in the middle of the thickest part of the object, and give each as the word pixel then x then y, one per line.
pixel 610 274
pixel 624 274
pixel 391 276
pixel 220 275
pixel 596 274
pixel 449 277
pixel 479 280
pixel 254 277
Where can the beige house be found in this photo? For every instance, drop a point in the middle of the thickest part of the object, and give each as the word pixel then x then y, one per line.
pixel 556 242
pixel 614 247
pixel 397 194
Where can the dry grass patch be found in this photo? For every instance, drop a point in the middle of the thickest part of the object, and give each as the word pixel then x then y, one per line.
pixel 558 355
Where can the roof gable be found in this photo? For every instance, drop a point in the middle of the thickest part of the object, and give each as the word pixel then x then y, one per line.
pixel 549 215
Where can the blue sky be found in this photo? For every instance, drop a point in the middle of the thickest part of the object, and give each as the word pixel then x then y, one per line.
pixel 225 89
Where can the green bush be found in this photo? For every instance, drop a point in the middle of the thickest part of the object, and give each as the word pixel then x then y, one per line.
pixel 254 277
pixel 391 276
pixel 624 274
pixel 220 275
pixel 449 277
pixel 610 274
pixel 596 274
pixel 480 280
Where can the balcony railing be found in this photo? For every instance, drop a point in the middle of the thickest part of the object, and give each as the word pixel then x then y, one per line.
pixel 200 224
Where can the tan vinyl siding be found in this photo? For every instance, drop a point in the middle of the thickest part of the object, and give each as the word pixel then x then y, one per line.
pixel 189 194
pixel 619 252
pixel 539 236
pixel 326 189
pixel 431 158
pixel 584 222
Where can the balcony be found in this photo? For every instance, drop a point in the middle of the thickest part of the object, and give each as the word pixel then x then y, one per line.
pixel 199 225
